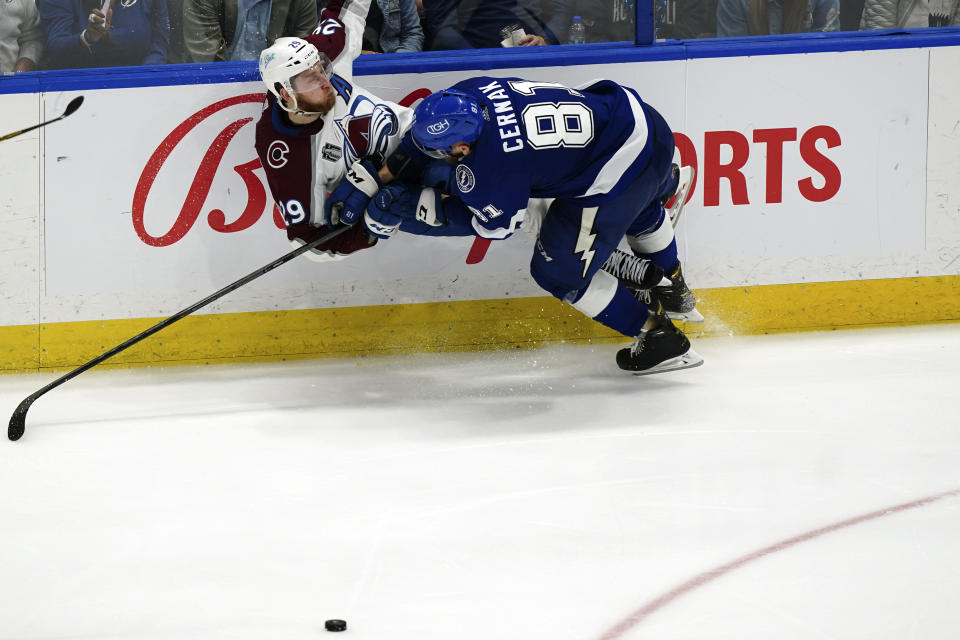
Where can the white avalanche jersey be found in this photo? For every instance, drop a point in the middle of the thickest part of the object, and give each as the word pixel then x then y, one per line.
pixel 360 126
pixel 303 163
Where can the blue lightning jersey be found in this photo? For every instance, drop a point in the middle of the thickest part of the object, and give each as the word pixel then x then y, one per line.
pixel 545 140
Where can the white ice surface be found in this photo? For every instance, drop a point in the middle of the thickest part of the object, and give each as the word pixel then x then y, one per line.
pixel 537 494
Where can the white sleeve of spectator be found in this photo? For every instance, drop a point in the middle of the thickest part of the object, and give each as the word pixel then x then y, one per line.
pixel 31 39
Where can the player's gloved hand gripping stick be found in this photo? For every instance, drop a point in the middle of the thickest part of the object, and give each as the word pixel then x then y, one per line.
pixel 350 198
pixel 18 419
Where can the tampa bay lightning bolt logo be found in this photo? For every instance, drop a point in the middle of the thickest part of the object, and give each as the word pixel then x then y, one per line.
pixel 126 4
pixel 366 130
pixel 465 180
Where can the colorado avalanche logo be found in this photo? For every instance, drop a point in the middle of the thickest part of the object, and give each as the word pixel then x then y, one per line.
pixel 277 154
pixel 438 127
pixel 465 180
pixel 367 135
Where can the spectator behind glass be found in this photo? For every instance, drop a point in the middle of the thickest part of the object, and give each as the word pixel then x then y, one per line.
pixel 899 14
pixel 761 17
pixel 79 35
pixel 21 36
pixel 685 19
pixel 177 52
pixel 220 30
pixel 607 20
pixel 476 24
pixel 393 26
pixel 850 13
pixel 551 16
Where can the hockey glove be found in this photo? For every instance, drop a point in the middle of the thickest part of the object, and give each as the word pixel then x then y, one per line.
pixel 412 210
pixel 350 198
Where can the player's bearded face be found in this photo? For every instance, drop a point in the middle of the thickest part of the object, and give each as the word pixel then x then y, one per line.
pixel 314 91
pixel 457 152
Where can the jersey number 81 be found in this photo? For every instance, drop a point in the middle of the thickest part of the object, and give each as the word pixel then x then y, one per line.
pixel 550 125
pixel 555 124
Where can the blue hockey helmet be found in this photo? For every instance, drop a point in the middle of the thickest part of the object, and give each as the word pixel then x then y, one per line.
pixel 445 118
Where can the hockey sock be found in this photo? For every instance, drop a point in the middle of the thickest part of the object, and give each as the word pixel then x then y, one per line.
pixel 658 244
pixel 610 303
pixel 625 313
pixel 666 259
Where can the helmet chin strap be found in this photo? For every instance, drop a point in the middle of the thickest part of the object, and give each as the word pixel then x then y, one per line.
pixel 296 108
pixel 298 111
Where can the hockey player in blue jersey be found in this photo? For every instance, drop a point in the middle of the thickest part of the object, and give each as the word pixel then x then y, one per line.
pixel 603 157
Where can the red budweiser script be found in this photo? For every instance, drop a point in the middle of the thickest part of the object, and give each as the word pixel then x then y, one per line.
pixel 203 178
pixel 257 197
pixel 711 171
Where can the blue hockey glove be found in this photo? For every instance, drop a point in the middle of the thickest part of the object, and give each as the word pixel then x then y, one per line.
pixel 410 209
pixel 396 203
pixel 350 198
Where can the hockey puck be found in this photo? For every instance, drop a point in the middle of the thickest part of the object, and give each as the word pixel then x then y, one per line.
pixel 335 625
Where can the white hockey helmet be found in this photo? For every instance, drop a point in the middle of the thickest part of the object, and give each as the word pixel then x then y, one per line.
pixel 286 58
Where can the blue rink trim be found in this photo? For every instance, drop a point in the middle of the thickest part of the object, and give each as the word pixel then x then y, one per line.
pixel 489 59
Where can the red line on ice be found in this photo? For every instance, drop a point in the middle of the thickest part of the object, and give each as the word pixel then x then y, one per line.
pixel 637 616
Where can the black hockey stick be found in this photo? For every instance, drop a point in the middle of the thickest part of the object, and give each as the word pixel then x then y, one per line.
pixel 73 106
pixel 19 417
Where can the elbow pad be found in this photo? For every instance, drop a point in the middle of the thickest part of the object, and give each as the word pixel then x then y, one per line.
pixel 402 167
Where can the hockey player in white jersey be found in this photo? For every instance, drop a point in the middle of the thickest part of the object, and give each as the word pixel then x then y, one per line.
pixel 317 127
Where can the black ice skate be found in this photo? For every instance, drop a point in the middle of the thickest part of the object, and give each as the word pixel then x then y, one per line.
pixel 664 348
pixel 673 298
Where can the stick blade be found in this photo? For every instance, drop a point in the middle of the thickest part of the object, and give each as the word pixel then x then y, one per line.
pixel 18 421
pixel 73 106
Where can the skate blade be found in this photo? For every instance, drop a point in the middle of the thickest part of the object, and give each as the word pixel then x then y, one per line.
pixel 688 360
pixel 675 206
pixel 686 316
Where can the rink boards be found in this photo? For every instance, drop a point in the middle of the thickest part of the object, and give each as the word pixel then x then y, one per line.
pixel 826 197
